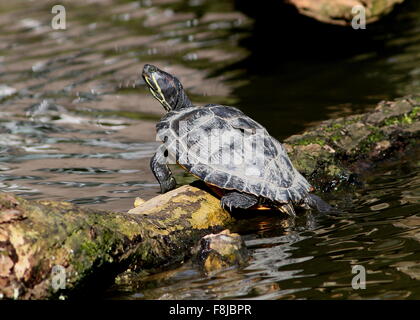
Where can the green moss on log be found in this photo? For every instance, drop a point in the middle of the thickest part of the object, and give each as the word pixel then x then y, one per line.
pixel 330 154
pixel 35 236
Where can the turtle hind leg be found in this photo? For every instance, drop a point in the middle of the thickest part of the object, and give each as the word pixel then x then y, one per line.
pixel 288 209
pixel 315 202
pixel 237 200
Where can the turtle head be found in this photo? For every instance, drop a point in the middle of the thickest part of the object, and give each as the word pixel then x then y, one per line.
pixel 166 88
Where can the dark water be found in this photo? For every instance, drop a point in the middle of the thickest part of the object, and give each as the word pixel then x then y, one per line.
pixel 77 124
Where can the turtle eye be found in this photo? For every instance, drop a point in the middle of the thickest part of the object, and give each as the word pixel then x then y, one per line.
pixel 152 69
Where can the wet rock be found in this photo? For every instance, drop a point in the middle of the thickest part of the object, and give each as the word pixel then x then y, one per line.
pixel 220 251
pixel 340 11
pixel 186 205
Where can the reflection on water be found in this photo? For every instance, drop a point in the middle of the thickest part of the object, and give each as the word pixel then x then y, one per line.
pixel 77 124
pixel 313 258
pixel 76 120
pixel 300 71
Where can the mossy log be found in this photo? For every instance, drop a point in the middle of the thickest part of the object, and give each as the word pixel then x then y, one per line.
pixel 35 236
pixel 336 152
pixel 340 11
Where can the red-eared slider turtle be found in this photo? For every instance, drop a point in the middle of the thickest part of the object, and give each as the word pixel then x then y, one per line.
pixel 222 146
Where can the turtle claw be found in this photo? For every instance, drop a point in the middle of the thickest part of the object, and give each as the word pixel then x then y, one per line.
pixel 288 209
pixel 225 205
pixel 168 185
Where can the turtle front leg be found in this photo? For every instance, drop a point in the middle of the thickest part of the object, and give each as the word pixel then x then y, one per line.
pixel 161 171
pixel 237 200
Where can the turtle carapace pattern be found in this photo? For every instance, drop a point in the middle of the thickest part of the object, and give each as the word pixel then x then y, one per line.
pixel 229 151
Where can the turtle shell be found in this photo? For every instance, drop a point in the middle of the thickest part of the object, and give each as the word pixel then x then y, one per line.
pixel 227 149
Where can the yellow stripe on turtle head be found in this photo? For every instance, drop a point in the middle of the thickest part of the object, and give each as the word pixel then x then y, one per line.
pixel 160 97
pixel 148 82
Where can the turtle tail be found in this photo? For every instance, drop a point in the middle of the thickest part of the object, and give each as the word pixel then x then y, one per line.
pixel 315 202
